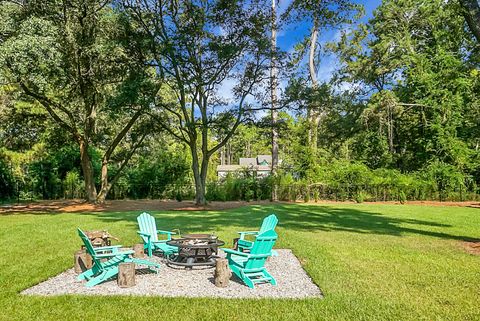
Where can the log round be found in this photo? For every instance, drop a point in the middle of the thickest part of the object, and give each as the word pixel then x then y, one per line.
pixel 139 252
pixel 222 273
pixel 126 275
pixel 80 261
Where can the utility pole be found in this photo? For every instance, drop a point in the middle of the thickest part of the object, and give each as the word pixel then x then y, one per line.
pixel 273 88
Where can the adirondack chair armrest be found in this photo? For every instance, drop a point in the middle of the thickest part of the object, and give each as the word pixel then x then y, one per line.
pixel 165 232
pixel 229 251
pixel 242 234
pixel 258 256
pixel 107 248
pixel 248 232
pixel 143 234
pixel 107 255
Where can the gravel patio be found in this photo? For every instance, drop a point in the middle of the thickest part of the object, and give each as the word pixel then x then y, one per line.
pixel 292 282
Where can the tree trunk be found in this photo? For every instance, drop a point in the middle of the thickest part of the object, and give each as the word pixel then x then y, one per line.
pixel 199 190
pixel 274 86
pixel 88 175
pixel 199 176
pixel 471 13
pixel 313 116
pixel 105 187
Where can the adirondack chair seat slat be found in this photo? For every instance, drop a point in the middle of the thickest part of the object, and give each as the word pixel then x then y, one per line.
pixel 103 271
pixel 261 280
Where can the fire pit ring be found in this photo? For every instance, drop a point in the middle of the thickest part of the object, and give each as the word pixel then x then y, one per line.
pixel 195 250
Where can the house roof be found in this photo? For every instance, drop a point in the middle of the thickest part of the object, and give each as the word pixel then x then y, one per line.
pixel 248 161
pixel 259 163
pixel 264 158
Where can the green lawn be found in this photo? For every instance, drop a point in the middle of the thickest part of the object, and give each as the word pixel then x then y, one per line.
pixel 373 262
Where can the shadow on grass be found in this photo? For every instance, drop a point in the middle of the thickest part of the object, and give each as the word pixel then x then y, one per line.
pixel 308 218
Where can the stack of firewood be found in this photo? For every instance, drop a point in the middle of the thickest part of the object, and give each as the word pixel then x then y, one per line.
pixel 100 238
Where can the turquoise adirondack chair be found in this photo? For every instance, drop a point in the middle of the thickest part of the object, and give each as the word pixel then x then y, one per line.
pixel 249 267
pixel 149 234
pixel 102 271
pixel 269 223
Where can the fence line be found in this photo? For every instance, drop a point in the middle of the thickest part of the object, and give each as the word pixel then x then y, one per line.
pixel 254 190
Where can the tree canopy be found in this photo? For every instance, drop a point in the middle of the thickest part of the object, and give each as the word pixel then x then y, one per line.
pixel 145 98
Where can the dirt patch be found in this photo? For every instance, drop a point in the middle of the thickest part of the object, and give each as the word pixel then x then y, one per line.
pixel 77 206
pixel 475 204
pixel 472 247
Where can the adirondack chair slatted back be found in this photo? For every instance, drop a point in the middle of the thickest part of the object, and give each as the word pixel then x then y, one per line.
pixel 88 246
pixel 146 223
pixel 263 245
pixel 269 223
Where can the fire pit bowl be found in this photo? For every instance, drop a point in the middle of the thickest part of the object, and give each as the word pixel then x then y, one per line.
pixel 195 250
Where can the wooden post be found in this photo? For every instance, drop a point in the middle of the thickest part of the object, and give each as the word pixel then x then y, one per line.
pixel 222 273
pixel 126 275
pixel 80 261
pixel 139 252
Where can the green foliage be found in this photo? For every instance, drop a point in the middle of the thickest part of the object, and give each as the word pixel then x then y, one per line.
pixel 361 196
pixel 446 180
pixel 73 185
pixel 240 187
pixel 161 174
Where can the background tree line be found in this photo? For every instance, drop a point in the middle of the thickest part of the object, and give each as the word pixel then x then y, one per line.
pixel 124 99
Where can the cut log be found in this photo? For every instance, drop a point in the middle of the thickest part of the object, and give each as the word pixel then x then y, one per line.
pixel 81 262
pixel 126 275
pixel 222 273
pixel 139 252
pixel 88 261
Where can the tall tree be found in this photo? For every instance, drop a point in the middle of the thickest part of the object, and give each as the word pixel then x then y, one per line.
pixel 68 57
pixel 195 47
pixel 321 14
pixel 417 65
pixel 274 92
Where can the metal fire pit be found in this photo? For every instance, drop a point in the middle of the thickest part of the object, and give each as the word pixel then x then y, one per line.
pixel 195 250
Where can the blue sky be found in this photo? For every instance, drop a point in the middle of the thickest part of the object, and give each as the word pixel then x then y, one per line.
pixel 293 34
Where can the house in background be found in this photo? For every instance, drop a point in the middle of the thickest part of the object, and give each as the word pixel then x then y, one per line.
pixel 259 166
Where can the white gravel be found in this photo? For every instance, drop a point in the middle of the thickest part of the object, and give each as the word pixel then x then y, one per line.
pixel 292 282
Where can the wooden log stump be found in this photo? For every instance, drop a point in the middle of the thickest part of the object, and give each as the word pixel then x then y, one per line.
pixel 126 275
pixel 139 252
pixel 222 273
pixel 88 261
pixel 80 261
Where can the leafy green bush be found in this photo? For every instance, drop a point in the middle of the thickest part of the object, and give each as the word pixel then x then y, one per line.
pixel 73 185
pixel 361 196
pixel 445 179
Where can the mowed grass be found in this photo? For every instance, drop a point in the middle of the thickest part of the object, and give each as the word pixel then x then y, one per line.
pixel 373 262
